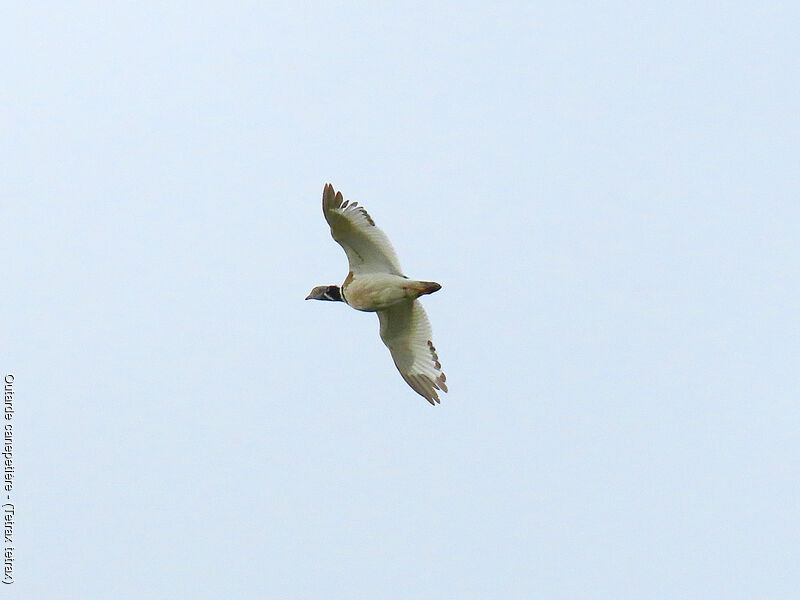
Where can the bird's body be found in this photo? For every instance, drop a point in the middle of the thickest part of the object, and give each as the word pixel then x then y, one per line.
pixel 373 292
pixel 376 283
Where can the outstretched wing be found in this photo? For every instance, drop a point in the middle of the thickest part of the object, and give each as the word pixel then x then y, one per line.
pixel 406 331
pixel 367 247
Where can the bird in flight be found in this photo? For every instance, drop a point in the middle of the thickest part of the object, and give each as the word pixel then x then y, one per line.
pixel 376 283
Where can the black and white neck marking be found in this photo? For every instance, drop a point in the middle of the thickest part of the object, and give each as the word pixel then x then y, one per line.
pixel 333 293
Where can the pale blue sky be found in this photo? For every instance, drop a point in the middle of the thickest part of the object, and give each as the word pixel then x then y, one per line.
pixel 609 196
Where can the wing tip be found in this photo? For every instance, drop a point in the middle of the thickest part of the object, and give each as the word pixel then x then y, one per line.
pixel 331 200
pixel 426 387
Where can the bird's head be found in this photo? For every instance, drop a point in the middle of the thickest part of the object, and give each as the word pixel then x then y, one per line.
pixel 326 292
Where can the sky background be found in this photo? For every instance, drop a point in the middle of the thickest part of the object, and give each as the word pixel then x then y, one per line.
pixel 609 195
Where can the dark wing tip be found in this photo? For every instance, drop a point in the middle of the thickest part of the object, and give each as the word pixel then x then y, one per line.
pixel 331 199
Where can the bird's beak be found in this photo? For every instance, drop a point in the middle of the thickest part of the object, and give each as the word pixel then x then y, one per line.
pixel 308 297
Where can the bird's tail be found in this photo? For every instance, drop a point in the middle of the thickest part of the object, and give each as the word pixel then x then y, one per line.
pixel 426 287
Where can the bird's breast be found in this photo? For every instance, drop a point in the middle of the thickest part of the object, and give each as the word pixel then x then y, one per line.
pixel 374 292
